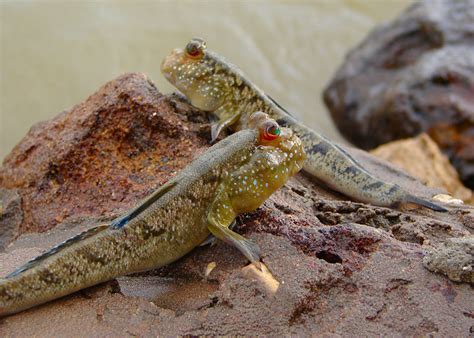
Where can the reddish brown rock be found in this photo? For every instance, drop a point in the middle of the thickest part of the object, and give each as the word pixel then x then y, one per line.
pixel 411 75
pixel 101 156
pixel 344 279
pixel 344 268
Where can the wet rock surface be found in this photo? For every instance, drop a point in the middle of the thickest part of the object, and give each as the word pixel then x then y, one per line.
pixel 413 75
pixel 344 268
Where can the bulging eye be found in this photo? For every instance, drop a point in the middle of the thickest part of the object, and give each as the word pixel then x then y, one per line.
pixel 195 49
pixel 271 131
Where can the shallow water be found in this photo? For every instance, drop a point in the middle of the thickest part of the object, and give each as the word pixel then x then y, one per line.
pixel 55 54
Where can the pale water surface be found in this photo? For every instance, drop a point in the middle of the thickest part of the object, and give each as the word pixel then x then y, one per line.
pixel 55 54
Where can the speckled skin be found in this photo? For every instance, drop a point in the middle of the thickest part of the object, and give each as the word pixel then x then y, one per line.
pixel 213 84
pixel 235 175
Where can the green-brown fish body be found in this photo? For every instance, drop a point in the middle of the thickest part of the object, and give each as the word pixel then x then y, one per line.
pixel 235 175
pixel 215 85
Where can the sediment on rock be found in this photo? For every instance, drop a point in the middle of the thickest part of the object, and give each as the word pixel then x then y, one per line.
pixel 454 258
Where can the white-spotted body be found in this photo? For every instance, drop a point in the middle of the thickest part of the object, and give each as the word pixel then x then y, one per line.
pixel 215 85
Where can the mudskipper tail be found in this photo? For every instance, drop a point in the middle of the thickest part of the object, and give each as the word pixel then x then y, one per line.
pixel 425 203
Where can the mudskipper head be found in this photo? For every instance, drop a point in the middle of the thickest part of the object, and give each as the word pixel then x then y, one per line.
pixel 194 71
pixel 278 156
pixel 286 149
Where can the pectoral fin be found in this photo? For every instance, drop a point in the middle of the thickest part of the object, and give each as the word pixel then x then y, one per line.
pixel 211 239
pixel 222 123
pixel 246 247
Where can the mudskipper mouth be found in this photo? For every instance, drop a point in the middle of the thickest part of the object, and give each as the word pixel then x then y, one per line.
pixel 167 65
pixel 166 69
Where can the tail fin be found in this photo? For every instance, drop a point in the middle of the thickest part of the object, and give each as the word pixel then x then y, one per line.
pixel 425 203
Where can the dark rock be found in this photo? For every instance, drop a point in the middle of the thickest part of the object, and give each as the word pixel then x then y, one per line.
pixel 344 268
pixel 457 141
pixel 410 76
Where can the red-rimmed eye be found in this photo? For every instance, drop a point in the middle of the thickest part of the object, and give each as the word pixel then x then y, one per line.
pixel 194 49
pixel 271 131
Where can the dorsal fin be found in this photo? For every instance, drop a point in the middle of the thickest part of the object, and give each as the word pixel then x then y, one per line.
pixel 79 237
pixel 121 221
pixel 349 156
pixel 219 125
pixel 279 105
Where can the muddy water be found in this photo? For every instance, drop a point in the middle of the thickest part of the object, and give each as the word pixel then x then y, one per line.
pixel 55 54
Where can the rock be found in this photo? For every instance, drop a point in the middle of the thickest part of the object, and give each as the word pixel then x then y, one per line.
pixel 263 276
pixel 421 157
pixel 343 268
pixel 457 141
pixel 454 258
pixel 409 76
pixel 11 216
pixel 448 199
pixel 344 279
pixel 101 156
